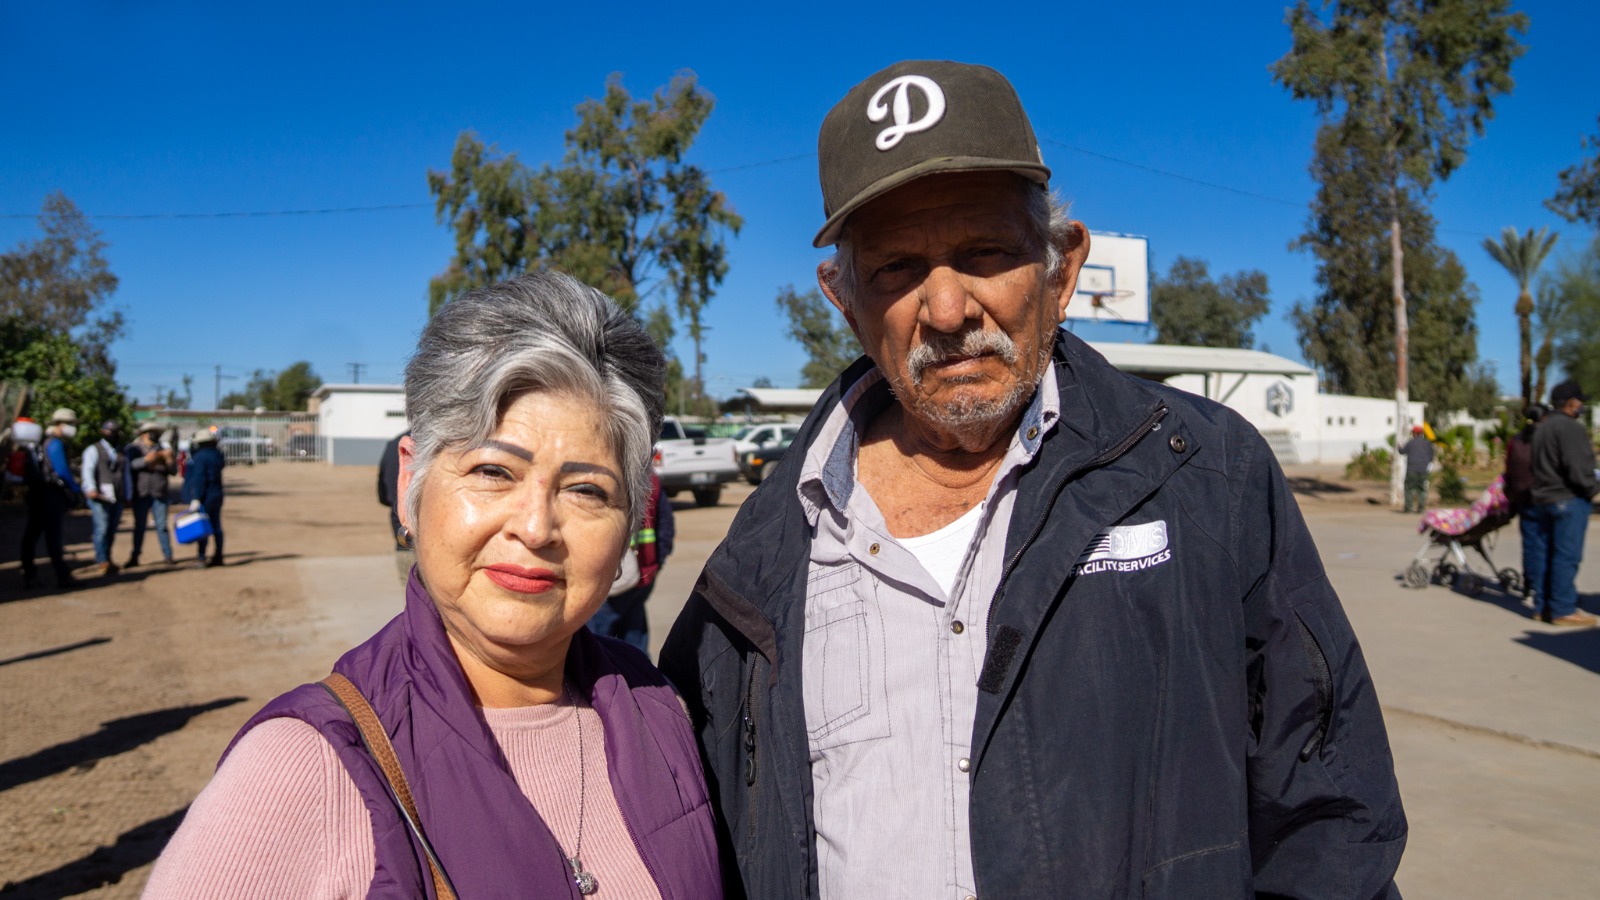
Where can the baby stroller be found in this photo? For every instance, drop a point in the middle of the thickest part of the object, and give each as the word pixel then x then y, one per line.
pixel 1451 532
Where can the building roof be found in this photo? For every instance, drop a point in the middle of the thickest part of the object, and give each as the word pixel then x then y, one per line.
pixel 781 398
pixel 1166 360
pixel 327 389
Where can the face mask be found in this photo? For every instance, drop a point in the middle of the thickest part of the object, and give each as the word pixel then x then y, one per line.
pixel 69 431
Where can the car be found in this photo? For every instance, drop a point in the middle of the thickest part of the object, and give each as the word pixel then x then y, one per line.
pixel 241 445
pixel 752 436
pixel 689 461
pixel 759 463
pixel 303 447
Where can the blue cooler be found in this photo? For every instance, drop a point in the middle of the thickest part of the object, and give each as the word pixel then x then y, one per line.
pixel 191 527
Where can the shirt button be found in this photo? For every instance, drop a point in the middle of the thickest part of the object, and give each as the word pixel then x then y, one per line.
pixel 969 897
pixel 1033 433
pixel 873 549
pixel 957 627
pixel 964 764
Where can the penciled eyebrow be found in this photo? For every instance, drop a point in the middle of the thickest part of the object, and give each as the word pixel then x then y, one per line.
pixel 591 468
pixel 513 449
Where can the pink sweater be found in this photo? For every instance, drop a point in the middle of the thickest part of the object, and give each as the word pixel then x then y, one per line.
pixel 282 817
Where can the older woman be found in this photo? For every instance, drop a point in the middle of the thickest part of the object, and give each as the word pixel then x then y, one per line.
pixel 543 761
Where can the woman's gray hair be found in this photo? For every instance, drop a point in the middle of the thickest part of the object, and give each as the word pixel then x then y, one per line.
pixel 1047 216
pixel 544 332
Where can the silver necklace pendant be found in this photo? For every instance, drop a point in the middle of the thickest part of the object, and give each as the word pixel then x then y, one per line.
pixel 586 882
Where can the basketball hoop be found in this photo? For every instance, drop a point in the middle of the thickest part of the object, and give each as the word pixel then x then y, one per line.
pixel 1099 300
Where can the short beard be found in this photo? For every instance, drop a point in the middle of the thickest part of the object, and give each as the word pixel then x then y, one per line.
pixel 968 415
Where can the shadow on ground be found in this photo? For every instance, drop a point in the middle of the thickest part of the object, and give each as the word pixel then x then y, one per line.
pixel 1581 648
pixel 114 737
pixel 138 846
pixel 1316 487
pixel 55 651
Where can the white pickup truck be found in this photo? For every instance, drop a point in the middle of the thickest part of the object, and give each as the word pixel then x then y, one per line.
pixel 690 461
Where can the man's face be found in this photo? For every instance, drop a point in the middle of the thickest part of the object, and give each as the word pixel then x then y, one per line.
pixel 952 301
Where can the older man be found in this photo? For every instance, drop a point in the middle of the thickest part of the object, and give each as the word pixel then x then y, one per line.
pixel 1013 623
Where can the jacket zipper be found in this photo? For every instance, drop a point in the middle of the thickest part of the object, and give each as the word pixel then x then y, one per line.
pixel 749 727
pixel 1324 680
pixel 1123 446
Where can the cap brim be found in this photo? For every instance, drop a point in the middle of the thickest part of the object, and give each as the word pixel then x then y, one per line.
pixel 1033 171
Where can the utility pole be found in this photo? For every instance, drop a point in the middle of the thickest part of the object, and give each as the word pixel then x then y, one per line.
pixel 355 371
pixel 216 391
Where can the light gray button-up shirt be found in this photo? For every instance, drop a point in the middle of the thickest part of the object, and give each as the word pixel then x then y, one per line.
pixel 890 667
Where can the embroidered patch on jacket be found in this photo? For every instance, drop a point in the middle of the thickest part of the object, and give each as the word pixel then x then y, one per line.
pixel 1125 548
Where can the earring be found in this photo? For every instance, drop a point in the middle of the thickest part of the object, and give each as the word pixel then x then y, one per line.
pixel 403 538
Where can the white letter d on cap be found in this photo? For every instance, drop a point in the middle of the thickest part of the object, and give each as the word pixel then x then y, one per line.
pixel 876 110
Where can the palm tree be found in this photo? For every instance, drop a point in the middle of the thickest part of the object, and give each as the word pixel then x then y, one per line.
pixel 1550 310
pixel 1521 255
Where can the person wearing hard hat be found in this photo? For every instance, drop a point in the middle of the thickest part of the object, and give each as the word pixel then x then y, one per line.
pixel 51 491
pixel 1419 456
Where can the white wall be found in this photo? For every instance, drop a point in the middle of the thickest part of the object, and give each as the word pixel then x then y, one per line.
pixel 1322 428
pixel 356 421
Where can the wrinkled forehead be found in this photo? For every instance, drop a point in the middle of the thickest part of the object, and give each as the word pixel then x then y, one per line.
pixel 944 208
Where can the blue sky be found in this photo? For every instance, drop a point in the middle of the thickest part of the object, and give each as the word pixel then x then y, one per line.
pixel 167 107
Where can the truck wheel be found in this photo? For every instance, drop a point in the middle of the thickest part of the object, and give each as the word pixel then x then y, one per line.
pixel 707 496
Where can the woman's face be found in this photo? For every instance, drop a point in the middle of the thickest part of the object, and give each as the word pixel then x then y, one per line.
pixel 518 540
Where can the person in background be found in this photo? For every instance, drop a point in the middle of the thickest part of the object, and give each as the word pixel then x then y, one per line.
pixel 202 489
pixel 1519 487
pixel 50 493
pixel 388 481
pixel 623 616
pixel 1419 456
pixel 545 762
pixel 150 464
pixel 106 485
pixel 1564 486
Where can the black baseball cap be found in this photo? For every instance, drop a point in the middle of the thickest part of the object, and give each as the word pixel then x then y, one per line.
pixel 917 118
pixel 1567 390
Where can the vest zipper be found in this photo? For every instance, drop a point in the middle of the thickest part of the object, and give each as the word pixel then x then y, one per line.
pixel 1122 446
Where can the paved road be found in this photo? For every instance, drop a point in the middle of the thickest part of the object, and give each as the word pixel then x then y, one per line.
pixel 1493 717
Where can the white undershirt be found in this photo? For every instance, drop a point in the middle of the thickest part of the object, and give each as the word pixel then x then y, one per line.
pixel 942 551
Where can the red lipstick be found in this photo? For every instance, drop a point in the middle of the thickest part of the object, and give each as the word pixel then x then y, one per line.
pixel 520 580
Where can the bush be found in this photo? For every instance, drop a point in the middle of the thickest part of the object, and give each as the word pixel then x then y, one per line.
pixel 1448 482
pixel 1370 464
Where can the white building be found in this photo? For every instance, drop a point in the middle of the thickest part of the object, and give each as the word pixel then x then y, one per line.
pixel 355 421
pixel 1279 396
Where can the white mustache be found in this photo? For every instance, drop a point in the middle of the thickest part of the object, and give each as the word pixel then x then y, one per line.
pixel 973 343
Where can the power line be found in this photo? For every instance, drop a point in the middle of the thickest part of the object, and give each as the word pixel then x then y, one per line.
pixel 355 371
pixel 235 215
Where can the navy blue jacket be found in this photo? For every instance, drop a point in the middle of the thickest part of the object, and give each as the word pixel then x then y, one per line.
pixel 202 479
pixel 1199 725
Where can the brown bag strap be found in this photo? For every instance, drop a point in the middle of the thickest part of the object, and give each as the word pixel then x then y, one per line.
pixel 377 744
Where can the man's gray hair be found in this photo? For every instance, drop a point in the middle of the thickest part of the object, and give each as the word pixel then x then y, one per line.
pixel 1047 216
pixel 544 332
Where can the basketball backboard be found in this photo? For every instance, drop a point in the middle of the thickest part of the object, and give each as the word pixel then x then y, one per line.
pixel 1114 285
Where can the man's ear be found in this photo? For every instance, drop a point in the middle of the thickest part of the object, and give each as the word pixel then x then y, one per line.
pixel 825 276
pixel 408 452
pixel 1074 249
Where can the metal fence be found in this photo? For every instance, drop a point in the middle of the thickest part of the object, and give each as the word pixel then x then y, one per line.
pixel 250 439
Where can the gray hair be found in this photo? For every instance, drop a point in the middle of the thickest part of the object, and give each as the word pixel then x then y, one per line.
pixel 1047 217
pixel 543 331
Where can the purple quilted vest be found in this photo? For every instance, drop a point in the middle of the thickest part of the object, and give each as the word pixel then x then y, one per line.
pixel 490 840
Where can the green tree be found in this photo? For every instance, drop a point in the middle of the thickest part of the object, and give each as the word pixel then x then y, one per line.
pixel 1577 281
pixel 60 373
pixel 55 324
pixel 623 212
pixel 1188 307
pixel 818 328
pixel 1347 330
pixel 174 400
pixel 1414 79
pixel 1577 197
pixel 1550 316
pixel 287 390
pixel 1522 255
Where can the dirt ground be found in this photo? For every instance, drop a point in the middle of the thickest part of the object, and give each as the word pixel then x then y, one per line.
pixel 117 698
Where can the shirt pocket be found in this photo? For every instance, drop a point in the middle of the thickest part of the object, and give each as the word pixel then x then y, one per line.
pixel 843 659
